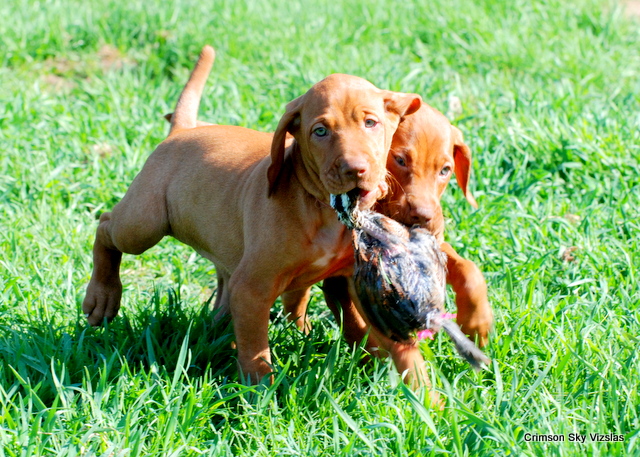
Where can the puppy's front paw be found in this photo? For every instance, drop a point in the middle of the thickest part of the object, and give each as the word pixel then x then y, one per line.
pixel 476 324
pixel 255 371
pixel 102 301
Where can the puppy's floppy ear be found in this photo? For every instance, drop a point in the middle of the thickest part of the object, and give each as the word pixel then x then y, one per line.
pixel 402 104
pixel 462 160
pixel 289 123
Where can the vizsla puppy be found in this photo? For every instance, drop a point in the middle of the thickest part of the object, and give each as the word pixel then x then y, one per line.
pixel 257 209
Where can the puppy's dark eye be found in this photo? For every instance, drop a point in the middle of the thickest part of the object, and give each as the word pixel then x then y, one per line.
pixel 400 161
pixel 445 171
pixel 370 123
pixel 320 131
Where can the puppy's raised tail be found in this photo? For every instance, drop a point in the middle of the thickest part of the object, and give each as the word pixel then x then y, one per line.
pixel 186 112
pixel 465 347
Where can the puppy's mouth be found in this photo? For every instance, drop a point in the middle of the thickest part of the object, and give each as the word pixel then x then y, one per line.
pixel 367 198
pixel 349 204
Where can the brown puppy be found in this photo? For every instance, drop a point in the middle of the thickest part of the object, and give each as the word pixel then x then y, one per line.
pixel 258 210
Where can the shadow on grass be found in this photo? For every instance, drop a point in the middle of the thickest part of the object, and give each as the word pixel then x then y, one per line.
pixel 36 355
pixel 32 351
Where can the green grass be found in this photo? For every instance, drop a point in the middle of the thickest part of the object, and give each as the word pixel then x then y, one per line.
pixel 551 109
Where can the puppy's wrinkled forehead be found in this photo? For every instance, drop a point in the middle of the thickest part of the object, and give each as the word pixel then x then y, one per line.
pixel 340 94
pixel 426 130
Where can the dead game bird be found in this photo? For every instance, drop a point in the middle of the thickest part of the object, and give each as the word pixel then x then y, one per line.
pixel 400 277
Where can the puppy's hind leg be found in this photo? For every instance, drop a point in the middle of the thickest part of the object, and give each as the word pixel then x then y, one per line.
pixel 131 228
pixel 105 289
pixel 221 304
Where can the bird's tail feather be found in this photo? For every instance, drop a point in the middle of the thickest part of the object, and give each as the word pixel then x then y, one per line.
pixel 465 347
